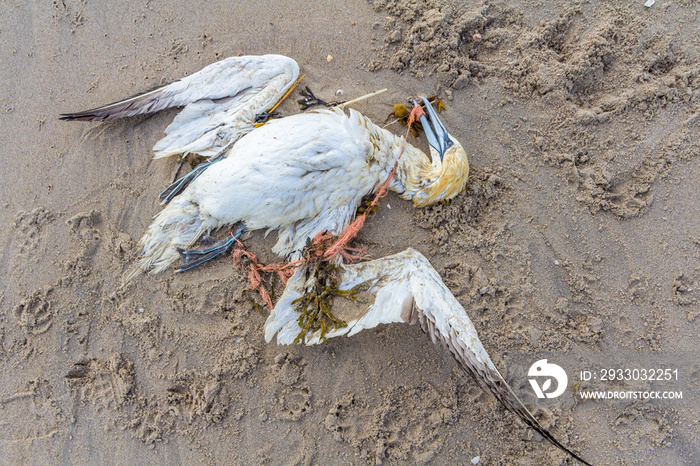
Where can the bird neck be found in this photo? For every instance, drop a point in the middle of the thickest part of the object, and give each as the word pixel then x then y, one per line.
pixel 422 179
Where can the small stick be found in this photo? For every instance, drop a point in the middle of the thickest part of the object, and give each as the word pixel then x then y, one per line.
pixel 354 101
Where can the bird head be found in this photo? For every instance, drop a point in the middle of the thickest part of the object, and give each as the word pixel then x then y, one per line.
pixel 450 167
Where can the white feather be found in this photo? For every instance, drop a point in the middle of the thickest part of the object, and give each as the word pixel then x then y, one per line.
pixel 221 102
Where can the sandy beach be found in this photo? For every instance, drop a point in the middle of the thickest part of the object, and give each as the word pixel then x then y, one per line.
pixel 577 239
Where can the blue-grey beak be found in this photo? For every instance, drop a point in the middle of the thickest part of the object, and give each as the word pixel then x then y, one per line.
pixel 435 131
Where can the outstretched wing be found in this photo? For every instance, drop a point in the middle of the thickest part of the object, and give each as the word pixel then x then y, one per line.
pixel 406 288
pixel 221 102
pixel 216 82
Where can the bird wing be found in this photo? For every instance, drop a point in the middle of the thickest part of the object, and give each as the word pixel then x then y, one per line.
pixel 217 82
pixel 405 288
pixel 221 102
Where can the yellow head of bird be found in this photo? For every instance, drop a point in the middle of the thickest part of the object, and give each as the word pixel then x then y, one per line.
pixel 447 175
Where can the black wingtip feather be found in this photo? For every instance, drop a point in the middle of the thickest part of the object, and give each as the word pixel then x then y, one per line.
pixel 490 379
pixel 144 102
pixel 510 400
pixel 88 115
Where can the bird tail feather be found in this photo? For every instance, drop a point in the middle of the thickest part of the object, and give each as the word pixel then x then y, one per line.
pixel 179 225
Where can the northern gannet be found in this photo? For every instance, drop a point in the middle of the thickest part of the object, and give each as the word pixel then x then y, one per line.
pixel 304 175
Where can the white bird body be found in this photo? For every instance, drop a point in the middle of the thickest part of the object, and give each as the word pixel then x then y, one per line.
pixel 300 175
